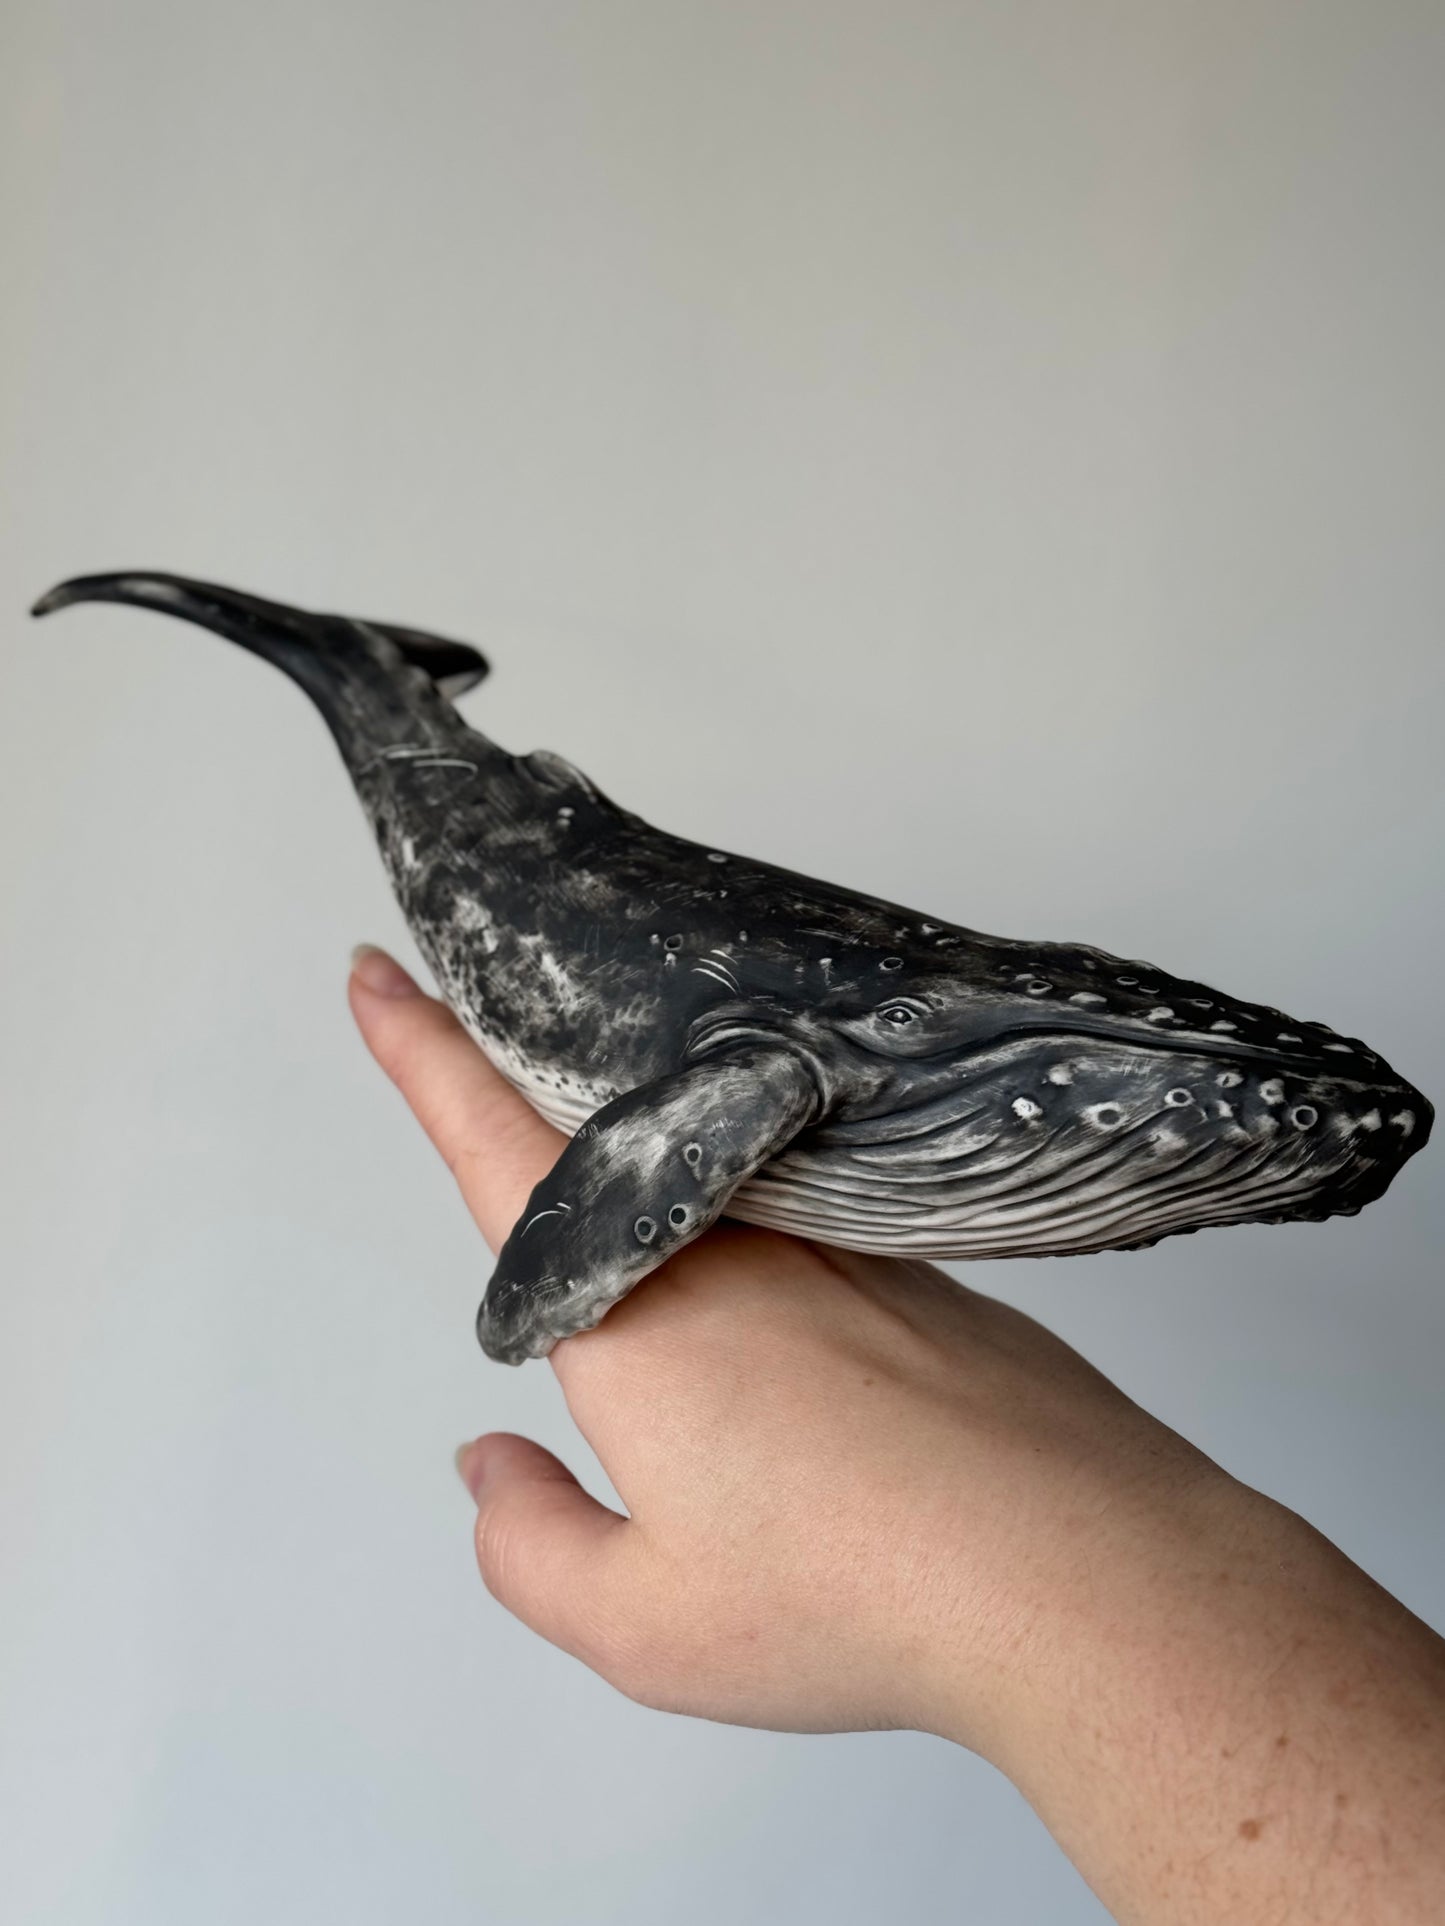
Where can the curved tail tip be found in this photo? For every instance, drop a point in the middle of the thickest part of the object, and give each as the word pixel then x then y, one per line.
pixel 145 588
pixel 52 599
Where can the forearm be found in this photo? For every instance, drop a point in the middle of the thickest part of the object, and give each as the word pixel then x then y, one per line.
pixel 1240 1727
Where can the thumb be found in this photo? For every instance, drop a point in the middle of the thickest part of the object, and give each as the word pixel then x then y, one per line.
pixel 548 1551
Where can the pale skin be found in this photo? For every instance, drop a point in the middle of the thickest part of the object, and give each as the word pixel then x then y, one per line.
pixel 860 1495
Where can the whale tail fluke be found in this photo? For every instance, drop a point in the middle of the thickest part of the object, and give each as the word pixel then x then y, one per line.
pixel 269 629
pixel 372 681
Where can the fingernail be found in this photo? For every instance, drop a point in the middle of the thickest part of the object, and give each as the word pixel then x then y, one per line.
pixel 470 1468
pixel 380 973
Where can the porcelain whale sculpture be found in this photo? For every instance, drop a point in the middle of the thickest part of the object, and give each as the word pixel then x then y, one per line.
pixel 718 1035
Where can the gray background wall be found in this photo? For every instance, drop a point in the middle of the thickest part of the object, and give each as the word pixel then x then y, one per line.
pixel 988 454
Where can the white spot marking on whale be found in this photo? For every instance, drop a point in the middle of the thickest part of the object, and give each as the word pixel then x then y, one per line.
pixel 1272 1090
pixel 1026 1108
pixel 1404 1120
pixel 472 916
pixel 1086 996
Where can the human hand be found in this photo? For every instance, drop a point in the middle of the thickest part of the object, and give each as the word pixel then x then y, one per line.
pixel 837 1468
pixel 860 1495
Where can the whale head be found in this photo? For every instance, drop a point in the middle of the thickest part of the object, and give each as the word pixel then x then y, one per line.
pixel 995 1099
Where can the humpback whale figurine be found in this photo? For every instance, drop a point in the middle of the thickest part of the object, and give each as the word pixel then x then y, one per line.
pixel 717 1035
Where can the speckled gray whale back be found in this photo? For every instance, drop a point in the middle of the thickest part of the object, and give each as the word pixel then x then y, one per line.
pixel 724 1036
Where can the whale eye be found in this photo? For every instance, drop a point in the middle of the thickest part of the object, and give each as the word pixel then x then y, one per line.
pixel 898 1013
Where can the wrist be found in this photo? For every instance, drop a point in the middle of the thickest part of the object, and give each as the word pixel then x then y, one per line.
pixel 1227 1693
pixel 1083 1601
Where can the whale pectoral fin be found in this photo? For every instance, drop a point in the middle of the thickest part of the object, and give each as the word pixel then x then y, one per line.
pixel 641 1178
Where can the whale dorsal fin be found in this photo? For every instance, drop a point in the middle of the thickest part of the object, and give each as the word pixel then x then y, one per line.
pixel 642 1177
